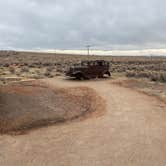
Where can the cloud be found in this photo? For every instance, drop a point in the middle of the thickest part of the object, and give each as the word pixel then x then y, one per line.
pixel 62 24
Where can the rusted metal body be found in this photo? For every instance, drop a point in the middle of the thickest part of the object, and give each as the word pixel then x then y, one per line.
pixel 89 69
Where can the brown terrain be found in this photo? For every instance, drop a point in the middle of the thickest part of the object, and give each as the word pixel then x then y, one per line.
pixel 32 104
pixel 47 119
pixel 130 132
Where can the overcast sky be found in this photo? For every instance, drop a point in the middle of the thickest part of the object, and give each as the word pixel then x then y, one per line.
pixel 71 24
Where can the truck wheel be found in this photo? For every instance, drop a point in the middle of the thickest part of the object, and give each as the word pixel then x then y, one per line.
pixel 100 76
pixel 107 73
pixel 79 76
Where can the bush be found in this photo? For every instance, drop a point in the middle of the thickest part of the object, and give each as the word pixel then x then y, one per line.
pixel 131 74
pixel 25 69
pixel 144 74
pixel 48 74
pixel 6 65
pixel 163 77
pixel 153 76
pixel 12 69
pixel 49 69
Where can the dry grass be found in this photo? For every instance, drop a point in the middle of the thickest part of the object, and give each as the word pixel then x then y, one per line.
pixel 152 88
pixel 152 75
pixel 45 65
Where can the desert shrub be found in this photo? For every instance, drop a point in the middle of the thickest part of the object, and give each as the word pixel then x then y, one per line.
pixel 25 64
pixel 3 73
pixel 158 76
pixel 47 64
pixel 6 65
pixel 48 74
pixel 121 69
pixel 154 76
pixel 57 74
pixel 12 69
pixel 40 65
pixel 25 69
pixel 31 65
pixel 37 72
pixel 131 74
pixel 50 68
pixel 144 74
pixel 59 68
pixel 162 77
pixel 18 73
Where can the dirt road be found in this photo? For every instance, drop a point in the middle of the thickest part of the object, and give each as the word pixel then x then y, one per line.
pixel 131 133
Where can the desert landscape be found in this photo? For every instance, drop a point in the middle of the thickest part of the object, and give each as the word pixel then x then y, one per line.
pixel 145 72
pixel 47 118
pixel 82 83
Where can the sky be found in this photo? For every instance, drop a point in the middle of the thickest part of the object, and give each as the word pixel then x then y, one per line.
pixel 109 25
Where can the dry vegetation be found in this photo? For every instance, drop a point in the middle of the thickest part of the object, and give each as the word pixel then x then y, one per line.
pixel 152 88
pixel 34 104
pixel 23 65
pixel 16 66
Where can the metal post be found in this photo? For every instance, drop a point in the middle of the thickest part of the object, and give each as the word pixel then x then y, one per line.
pixel 88 48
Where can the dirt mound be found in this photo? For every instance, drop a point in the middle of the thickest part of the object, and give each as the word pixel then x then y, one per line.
pixel 33 104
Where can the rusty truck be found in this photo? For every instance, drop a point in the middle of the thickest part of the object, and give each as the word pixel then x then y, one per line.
pixel 89 70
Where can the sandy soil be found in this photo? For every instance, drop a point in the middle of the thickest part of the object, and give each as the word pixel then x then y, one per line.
pixel 131 132
pixel 34 104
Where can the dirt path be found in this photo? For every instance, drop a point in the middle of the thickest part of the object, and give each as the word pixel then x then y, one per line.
pixel 131 133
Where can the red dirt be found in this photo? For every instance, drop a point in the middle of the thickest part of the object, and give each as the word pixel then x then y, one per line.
pixel 34 104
